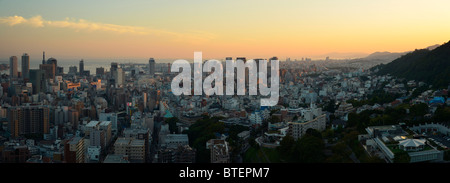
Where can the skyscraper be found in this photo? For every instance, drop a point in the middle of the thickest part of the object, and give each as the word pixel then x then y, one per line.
pixel 43 57
pixel 151 66
pixel 49 70
pixel 99 71
pixel 113 74
pixel 81 67
pixel 37 78
pixel 119 77
pixel 114 66
pixel 25 66
pixel 53 61
pixel 13 67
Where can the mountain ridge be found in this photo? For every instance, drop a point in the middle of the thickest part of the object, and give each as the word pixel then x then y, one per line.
pixel 431 65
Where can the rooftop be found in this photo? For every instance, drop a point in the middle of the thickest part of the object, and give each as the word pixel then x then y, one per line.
pixel 122 141
pixel 75 140
pixel 105 123
pixel 92 124
pixel 136 142
pixel 116 158
pixel 412 142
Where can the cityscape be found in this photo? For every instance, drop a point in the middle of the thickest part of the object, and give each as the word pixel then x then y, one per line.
pixel 380 107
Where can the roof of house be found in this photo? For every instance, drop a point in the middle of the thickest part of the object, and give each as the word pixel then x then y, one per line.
pixel 437 100
pixel 412 142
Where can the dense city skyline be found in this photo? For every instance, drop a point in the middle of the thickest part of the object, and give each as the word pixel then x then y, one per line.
pixel 143 29
pixel 223 82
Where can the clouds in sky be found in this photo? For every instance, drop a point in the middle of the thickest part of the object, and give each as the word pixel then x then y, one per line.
pixel 77 25
pixel 85 25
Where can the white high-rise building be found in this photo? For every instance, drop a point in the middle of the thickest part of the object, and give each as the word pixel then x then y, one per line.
pixel 311 118
pixel 119 77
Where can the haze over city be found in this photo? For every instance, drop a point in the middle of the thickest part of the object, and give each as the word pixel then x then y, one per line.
pixel 161 29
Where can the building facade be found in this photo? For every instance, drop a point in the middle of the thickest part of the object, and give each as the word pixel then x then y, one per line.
pixel 74 150
pixel 13 73
pixel 25 66
pixel 28 120
pixel 298 129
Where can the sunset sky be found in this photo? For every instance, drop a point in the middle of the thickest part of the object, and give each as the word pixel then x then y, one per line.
pixel 250 28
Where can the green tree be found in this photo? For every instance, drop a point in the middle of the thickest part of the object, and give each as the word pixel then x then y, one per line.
pixel 286 146
pixel 172 124
pixel 419 109
pixel 402 157
pixel 442 114
pixel 314 132
pixel 353 120
pixel 309 149
pixel 330 106
pixel 200 132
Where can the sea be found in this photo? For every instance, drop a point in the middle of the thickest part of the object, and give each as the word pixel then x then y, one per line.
pixel 89 64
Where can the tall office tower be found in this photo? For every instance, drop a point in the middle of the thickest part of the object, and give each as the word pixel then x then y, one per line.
pixel 13 67
pixel 81 67
pixel 54 65
pixel 28 120
pixel 25 66
pixel 74 150
pixel 113 74
pixel 53 61
pixel 37 78
pixel 99 71
pixel 49 70
pixel 114 66
pixel 73 70
pixel 151 66
pixel 73 118
pixel 119 77
pixel 59 71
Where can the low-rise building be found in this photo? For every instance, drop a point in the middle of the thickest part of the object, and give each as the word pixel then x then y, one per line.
pixel 391 139
pixel 298 129
pixel 174 140
pixel 133 148
pixel 219 151
pixel 94 153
